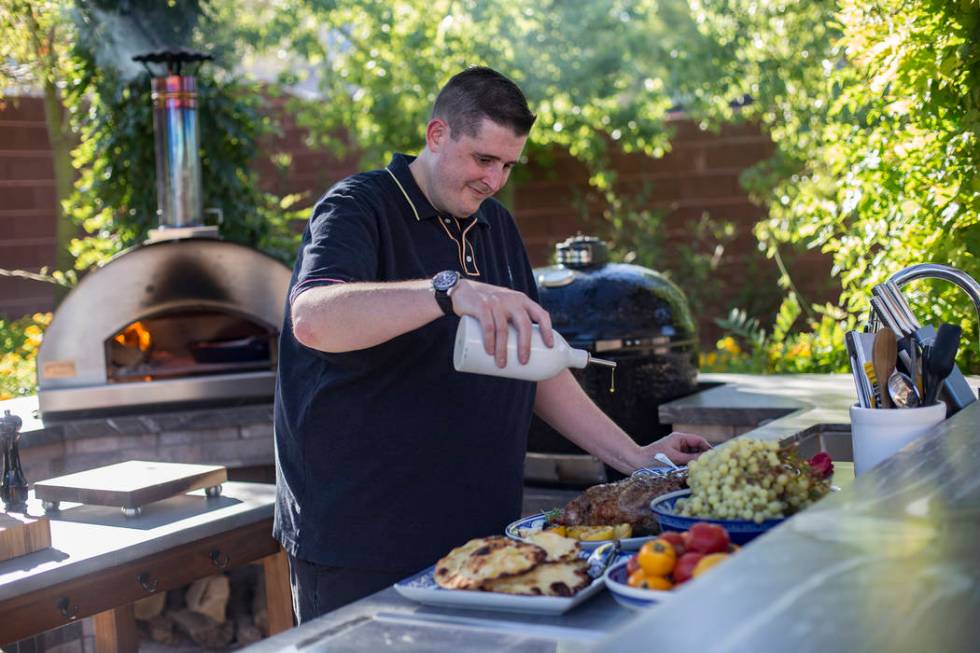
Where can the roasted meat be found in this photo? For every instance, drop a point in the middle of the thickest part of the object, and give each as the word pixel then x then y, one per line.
pixel 623 502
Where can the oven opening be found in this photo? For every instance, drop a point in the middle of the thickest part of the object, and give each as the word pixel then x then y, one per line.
pixel 189 343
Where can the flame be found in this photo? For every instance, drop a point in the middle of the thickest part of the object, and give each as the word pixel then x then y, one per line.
pixel 135 335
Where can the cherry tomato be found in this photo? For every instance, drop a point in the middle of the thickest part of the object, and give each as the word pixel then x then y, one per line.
pixel 684 569
pixel 657 557
pixel 707 538
pixel 675 539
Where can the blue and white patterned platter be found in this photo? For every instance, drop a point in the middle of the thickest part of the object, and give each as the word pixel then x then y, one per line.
pixel 631 597
pixel 539 521
pixel 422 588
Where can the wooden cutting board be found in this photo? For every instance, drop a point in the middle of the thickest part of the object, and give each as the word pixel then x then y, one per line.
pixel 22 534
pixel 130 484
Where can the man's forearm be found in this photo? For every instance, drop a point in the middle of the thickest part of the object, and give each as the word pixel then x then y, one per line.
pixel 351 316
pixel 561 402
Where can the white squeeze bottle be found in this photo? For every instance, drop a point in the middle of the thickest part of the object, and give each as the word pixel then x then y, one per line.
pixel 543 363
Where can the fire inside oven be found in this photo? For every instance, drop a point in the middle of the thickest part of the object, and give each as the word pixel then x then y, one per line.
pixel 188 343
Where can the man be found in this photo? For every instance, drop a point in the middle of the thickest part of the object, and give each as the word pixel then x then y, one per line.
pixel 386 457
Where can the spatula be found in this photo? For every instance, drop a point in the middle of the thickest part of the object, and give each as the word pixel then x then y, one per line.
pixel 940 361
pixel 883 357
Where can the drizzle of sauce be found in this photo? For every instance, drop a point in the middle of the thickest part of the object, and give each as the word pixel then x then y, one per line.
pixel 612 380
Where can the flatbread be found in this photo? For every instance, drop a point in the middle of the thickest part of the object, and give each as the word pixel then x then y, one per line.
pixel 557 547
pixel 547 579
pixel 486 558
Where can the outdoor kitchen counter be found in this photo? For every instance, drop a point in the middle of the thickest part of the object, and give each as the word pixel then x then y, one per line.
pixel 890 563
pixel 100 561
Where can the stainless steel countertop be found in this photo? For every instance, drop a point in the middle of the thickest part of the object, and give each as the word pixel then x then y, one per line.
pixel 891 563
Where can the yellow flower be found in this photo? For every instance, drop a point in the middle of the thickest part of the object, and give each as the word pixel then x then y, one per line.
pixel 728 344
pixel 32 331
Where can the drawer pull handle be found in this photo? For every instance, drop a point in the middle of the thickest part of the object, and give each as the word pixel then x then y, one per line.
pixel 67 609
pixel 219 559
pixel 148 582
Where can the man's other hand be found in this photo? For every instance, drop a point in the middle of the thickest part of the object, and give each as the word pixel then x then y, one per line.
pixel 495 308
pixel 681 448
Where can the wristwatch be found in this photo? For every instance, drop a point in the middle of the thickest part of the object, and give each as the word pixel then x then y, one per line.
pixel 442 286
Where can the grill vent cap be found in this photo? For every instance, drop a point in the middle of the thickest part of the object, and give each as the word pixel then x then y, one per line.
pixel 580 252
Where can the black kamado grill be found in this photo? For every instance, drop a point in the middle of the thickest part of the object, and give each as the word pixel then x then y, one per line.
pixel 625 313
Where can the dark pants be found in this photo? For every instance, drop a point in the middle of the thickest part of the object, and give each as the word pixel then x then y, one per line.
pixel 318 589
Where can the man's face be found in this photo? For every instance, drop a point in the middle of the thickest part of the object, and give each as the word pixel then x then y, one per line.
pixel 470 169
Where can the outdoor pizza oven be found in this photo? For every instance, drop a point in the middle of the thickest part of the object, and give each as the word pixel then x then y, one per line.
pixel 186 317
pixel 625 313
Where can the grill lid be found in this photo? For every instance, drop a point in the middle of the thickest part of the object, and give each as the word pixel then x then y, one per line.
pixel 608 306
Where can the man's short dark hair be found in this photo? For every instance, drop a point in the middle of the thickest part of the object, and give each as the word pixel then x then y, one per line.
pixel 478 93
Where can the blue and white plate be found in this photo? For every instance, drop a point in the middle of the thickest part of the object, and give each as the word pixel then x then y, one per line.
pixel 632 597
pixel 422 588
pixel 540 521
pixel 740 531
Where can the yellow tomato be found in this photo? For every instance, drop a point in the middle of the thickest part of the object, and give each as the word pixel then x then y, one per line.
pixel 637 579
pixel 707 562
pixel 657 557
pixel 658 583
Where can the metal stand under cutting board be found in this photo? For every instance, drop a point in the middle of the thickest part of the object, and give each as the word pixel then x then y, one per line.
pixel 130 485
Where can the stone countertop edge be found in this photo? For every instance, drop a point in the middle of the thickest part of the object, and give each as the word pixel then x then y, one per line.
pixel 788 404
pixel 36 432
pixel 255 502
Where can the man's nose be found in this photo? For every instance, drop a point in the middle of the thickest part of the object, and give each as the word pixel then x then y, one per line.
pixel 495 178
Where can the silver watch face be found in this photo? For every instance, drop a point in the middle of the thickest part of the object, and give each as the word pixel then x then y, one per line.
pixel 445 280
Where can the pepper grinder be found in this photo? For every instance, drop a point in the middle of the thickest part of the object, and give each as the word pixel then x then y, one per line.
pixel 13 490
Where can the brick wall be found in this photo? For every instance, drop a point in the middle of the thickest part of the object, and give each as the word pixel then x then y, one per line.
pixel 27 205
pixel 699 175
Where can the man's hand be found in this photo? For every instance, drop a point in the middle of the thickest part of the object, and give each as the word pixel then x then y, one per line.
pixel 495 308
pixel 681 448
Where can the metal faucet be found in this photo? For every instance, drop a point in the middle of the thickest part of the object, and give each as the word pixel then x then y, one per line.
pixel 888 305
pixel 937 271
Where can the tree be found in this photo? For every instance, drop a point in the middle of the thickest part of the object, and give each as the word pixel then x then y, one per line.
pixel 875 108
pixel 598 75
pixel 34 53
pixel 115 199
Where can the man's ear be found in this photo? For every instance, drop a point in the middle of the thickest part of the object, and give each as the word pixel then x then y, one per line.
pixel 436 133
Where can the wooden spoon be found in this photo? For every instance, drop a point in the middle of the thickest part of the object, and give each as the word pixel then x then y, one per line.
pixel 884 353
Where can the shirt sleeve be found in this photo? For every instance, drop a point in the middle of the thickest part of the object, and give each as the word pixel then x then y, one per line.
pixel 340 246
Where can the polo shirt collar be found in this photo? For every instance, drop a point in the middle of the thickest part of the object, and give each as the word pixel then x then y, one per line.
pixel 418 202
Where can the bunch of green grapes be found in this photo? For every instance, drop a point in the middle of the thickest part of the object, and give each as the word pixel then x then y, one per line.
pixel 751 480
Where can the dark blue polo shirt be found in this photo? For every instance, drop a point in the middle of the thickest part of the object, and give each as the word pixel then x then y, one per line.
pixel 387 457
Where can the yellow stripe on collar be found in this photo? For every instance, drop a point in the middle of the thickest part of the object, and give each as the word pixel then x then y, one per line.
pixel 407 198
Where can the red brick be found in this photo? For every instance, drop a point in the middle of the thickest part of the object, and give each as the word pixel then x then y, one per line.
pixel 24 138
pixel 29 109
pixel 18 199
pixel 26 168
pixel 735 155
pixel 14 227
pixel 26 256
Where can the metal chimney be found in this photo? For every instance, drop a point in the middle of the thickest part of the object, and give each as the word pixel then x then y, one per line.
pixel 176 135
